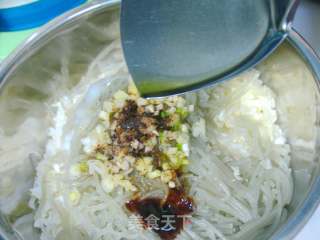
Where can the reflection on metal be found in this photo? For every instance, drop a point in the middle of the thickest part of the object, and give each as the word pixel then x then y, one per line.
pixel 307 22
pixel 177 46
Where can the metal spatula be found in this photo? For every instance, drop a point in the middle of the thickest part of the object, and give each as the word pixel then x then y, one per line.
pixel 173 46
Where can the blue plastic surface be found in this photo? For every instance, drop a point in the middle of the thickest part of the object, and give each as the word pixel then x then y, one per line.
pixel 34 14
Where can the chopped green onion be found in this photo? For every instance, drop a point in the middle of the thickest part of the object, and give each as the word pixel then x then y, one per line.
pixel 83 167
pixel 161 137
pixel 176 126
pixel 182 112
pixel 164 114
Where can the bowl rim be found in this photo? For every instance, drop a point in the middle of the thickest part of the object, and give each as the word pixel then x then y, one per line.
pixel 39 38
pixel 309 205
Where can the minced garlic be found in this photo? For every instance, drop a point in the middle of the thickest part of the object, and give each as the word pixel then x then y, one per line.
pixel 148 137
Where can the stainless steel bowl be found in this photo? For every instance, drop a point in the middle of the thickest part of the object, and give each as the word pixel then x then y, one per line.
pixel 75 38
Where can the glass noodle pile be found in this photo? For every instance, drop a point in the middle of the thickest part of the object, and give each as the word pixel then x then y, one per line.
pixel 234 155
